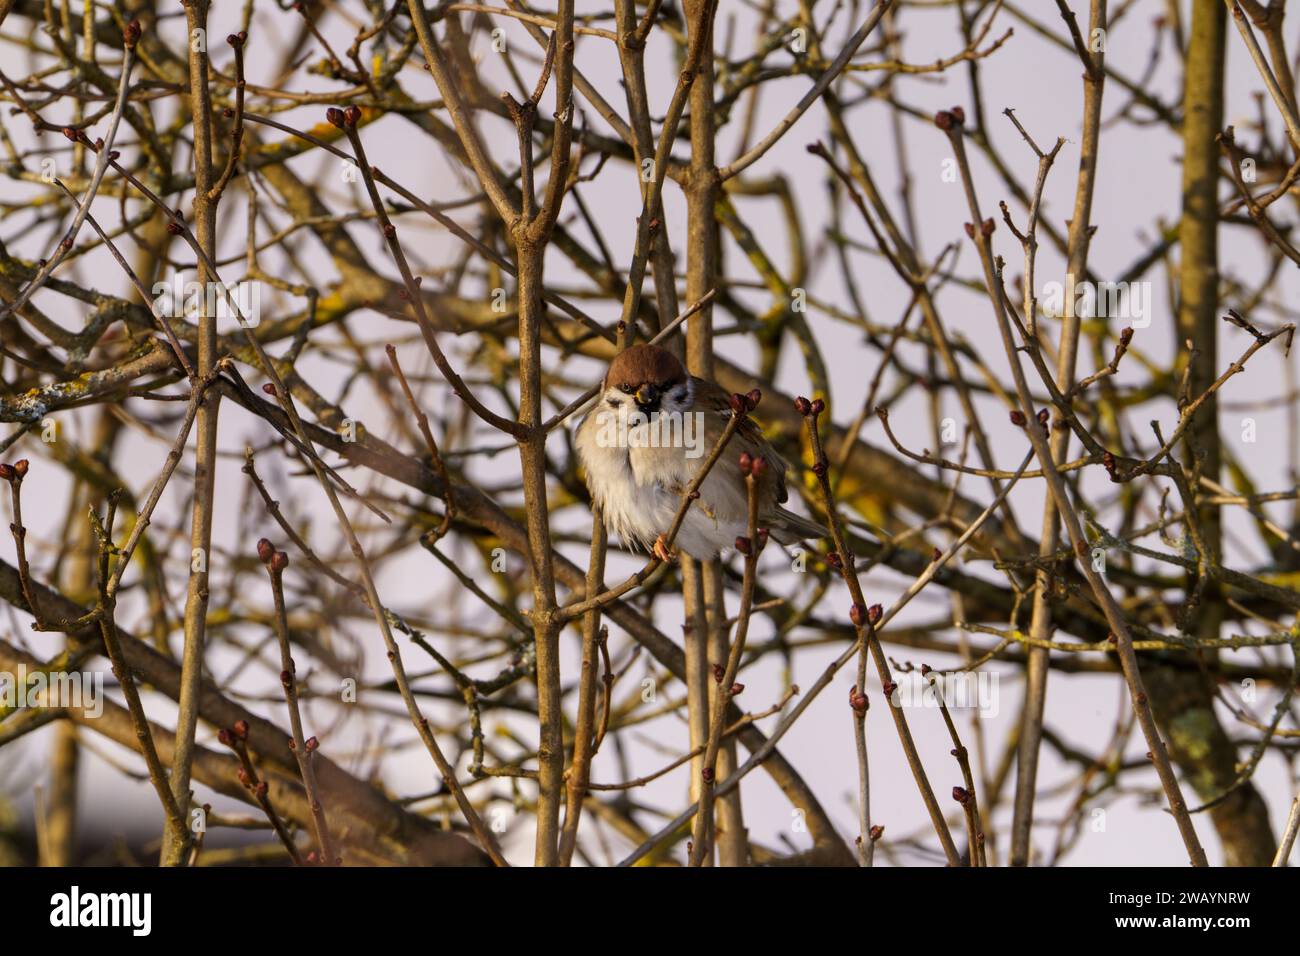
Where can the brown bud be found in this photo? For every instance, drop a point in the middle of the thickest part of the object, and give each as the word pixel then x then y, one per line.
pixel 1018 418
pixel 20 469
pixel 858 615
pixel 269 389
pixel 970 230
pixel 352 115
pixel 131 34
pixel 311 743
pixel 244 778
pixel 261 788
pixel 707 774
pixel 286 679
pixel 960 795
pixel 389 230
pixel 738 403
pixel 173 229
pixel 1043 415
pixel 737 689
pixel 744 546
pixel 752 398
pixel 876 832
pixel 759 467
pixel 834 560
pixel 241 729
pixel 335 116
pixel 858 702
pixel 888 689
pixel 803 406
pixel 987 227
pixel 944 120
pixel 234 39
pixel 265 550
pixel 1126 336
pixel 875 613
pixel 279 561
pixel 746 462
pixel 818 406
pixel 718 673
pixel 958 115
pixel 762 538
pixel 819 468
pixel 226 737
pixel 925 670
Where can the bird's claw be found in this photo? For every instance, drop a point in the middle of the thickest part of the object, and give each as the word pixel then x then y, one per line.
pixel 663 552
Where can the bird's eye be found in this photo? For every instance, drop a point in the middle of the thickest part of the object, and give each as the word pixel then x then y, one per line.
pixel 627 389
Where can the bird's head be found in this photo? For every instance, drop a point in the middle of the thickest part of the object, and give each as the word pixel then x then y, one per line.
pixel 647 379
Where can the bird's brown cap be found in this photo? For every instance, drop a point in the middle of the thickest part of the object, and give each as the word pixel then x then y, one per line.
pixel 644 363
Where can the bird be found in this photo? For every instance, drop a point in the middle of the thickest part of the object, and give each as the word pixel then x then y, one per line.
pixel 641 445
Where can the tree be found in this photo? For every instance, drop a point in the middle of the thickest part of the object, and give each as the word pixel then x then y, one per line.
pixel 290 322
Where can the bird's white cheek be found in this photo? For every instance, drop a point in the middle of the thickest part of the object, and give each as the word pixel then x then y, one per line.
pixel 677 401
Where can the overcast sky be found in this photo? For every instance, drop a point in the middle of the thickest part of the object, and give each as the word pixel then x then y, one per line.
pixel 1138 190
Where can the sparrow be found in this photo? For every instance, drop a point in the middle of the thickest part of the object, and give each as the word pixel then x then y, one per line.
pixel 641 444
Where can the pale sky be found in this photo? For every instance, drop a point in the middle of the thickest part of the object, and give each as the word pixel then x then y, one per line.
pixel 1138 189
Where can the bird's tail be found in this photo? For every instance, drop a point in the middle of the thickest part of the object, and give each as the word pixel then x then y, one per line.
pixel 788 527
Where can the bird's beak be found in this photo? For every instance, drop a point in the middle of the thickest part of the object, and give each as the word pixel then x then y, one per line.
pixel 647 398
